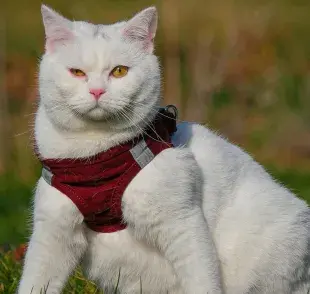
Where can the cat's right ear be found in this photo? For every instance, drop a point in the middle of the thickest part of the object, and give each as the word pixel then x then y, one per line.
pixel 57 28
pixel 142 28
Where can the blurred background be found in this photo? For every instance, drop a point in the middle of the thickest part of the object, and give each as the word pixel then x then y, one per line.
pixel 242 67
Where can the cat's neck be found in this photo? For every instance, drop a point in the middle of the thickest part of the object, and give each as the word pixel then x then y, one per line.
pixel 54 142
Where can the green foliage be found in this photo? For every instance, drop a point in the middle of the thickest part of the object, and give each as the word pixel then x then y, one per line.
pixel 10 272
pixel 14 209
pixel 221 98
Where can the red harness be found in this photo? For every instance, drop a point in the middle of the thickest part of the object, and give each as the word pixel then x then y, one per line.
pixel 96 185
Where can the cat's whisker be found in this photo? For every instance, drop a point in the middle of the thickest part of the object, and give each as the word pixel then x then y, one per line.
pixel 149 123
pixel 30 114
pixel 131 122
pixel 23 133
pixel 141 105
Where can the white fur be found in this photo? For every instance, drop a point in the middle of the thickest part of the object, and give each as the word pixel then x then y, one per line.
pixel 202 218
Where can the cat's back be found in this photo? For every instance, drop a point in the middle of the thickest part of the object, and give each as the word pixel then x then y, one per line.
pixel 230 173
pixel 222 163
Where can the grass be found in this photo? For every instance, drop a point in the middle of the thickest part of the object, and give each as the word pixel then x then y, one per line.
pixel 10 272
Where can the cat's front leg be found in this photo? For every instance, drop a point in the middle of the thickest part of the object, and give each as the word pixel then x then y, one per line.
pixel 163 206
pixel 56 245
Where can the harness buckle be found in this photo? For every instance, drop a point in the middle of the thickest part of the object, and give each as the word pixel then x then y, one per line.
pixel 173 110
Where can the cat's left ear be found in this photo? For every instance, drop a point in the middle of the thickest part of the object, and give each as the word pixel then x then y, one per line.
pixel 57 28
pixel 142 28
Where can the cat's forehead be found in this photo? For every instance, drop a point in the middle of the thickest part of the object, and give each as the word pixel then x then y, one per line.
pixel 99 47
pixel 110 31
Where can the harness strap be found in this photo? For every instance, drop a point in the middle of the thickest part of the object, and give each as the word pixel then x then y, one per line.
pixel 141 153
pixel 47 175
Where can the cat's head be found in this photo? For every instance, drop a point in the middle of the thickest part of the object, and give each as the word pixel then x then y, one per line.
pixel 99 75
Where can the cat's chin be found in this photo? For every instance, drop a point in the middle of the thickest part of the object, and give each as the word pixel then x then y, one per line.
pixel 97 114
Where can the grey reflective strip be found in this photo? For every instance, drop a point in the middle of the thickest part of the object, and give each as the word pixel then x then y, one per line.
pixel 47 175
pixel 142 154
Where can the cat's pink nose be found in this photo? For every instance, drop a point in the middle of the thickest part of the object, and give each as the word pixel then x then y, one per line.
pixel 97 92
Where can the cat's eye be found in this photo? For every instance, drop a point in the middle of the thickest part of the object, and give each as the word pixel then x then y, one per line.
pixel 119 71
pixel 77 72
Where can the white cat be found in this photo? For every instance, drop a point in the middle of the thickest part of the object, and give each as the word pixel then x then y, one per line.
pixel 203 217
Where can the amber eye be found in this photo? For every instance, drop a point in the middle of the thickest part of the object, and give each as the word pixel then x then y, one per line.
pixel 77 72
pixel 119 71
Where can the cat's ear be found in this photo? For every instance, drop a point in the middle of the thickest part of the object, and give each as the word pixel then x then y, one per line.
pixel 142 27
pixel 57 28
